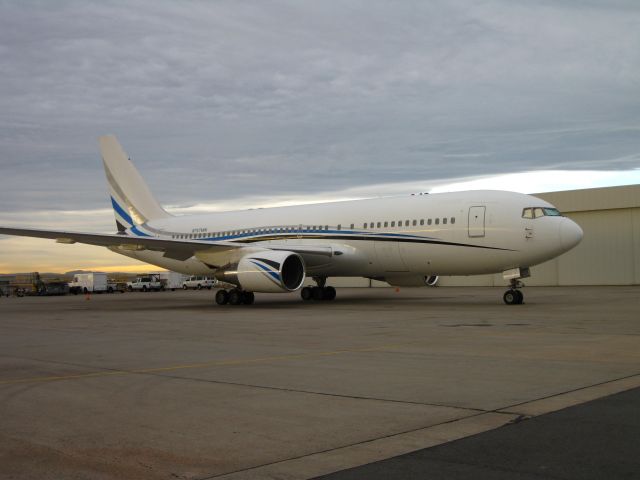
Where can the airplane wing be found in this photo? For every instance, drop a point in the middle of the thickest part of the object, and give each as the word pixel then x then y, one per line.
pixel 175 249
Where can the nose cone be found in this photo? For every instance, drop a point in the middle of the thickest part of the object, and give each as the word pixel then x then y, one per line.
pixel 570 234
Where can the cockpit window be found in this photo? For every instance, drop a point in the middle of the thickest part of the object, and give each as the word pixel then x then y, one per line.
pixel 537 212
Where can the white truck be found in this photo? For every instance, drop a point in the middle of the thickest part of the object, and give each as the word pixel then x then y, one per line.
pixel 92 282
pixel 171 280
pixel 146 283
pixel 199 282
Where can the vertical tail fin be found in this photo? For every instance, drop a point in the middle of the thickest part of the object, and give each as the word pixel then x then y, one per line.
pixel 132 201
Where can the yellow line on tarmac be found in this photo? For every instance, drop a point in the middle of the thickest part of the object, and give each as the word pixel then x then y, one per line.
pixel 215 363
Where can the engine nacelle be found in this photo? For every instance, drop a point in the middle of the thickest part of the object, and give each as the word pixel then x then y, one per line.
pixel 269 271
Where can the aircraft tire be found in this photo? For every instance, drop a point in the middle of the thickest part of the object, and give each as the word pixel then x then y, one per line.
pixel 511 297
pixel 317 293
pixel 248 298
pixel 222 297
pixel 235 297
pixel 329 293
pixel 520 297
pixel 306 293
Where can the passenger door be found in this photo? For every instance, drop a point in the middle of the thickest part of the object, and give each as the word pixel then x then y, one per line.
pixel 476 221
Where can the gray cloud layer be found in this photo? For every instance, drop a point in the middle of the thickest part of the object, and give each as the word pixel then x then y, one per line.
pixel 226 99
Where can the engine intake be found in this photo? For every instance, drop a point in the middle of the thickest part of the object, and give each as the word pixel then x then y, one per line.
pixel 268 271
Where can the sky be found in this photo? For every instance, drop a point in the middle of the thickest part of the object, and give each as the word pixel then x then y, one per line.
pixel 226 105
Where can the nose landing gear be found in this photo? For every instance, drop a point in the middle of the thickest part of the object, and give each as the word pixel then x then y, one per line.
pixel 514 296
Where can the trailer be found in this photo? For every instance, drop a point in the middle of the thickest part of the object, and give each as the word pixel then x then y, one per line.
pixel 92 282
pixel 55 288
pixel 171 280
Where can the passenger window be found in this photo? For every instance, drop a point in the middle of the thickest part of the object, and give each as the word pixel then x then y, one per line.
pixel 339 227
pixel 371 224
pixel 437 221
pixel 378 225
pixel 444 221
pixel 453 220
pixel 406 223
pixel 414 223
pixel 365 225
pixel 429 222
pixel 352 225
pixel 422 221
pixel 386 224
pixel 393 224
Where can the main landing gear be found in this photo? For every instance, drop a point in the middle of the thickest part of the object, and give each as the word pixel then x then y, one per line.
pixel 321 292
pixel 234 297
pixel 514 296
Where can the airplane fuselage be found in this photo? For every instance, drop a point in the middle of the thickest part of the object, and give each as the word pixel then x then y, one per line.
pixel 463 233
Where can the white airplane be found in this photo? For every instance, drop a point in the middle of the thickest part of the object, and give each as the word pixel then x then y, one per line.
pixel 404 241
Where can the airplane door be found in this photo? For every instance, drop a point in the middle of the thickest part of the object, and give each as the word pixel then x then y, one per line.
pixel 476 221
pixel 388 254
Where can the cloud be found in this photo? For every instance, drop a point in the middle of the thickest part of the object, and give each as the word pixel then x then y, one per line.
pixel 224 101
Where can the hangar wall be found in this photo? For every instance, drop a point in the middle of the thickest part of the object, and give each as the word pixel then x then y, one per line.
pixel 609 253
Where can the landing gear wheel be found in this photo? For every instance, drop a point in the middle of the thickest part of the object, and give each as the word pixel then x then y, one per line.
pixel 306 293
pixel 222 297
pixel 248 298
pixel 520 297
pixel 235 297
pixel 317 293
pixel 329 293
pixel 513 297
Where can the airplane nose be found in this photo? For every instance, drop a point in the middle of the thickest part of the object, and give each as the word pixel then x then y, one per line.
pixel 570 234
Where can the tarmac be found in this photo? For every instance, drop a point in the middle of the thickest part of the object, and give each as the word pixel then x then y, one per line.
pixel 592 441
pixel 169 385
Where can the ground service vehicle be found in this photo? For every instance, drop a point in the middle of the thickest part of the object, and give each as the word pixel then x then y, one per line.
pixel 146 283
pixel 92 282
pixel 198 282
pixel 171 280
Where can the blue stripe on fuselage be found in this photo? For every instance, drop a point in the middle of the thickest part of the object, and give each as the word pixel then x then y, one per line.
pixel 138 232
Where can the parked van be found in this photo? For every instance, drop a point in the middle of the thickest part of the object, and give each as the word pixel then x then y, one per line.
pixel 199 282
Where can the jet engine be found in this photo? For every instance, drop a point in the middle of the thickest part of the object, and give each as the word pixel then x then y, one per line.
pixel 268 271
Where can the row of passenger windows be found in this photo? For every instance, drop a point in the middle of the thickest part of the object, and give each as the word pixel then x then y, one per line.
pixel 407 223
pixel 313 228
pixel 537 212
